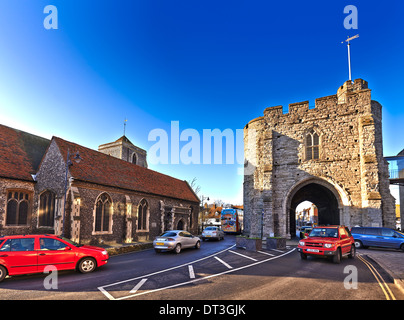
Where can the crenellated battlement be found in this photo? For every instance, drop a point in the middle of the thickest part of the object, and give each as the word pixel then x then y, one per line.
pixel 344 92
pixel 350 87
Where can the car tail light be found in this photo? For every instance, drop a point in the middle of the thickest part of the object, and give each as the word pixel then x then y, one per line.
pixel 170 239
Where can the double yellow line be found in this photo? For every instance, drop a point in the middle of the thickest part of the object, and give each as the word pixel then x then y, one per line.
pixel 385 288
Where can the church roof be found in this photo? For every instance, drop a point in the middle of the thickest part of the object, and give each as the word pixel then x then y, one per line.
pixel 124 139
pixel 99 168
pixel 120 141
pixel 20 153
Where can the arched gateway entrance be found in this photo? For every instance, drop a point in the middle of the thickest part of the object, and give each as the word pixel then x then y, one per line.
pixel 319 192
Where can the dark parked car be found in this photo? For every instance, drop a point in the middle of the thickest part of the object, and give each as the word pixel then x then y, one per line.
pixel 377 237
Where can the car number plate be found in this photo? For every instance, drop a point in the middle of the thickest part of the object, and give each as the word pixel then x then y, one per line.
pixel 313 250
pixel 159 243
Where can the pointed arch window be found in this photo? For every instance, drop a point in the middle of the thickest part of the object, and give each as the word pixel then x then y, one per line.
pixel 312 145
pixel 142 215
pixel 18 203
pixel 103 213
pixel 46 214
pixel 134 158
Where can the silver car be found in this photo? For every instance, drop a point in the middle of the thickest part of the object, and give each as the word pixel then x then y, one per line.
pixel 212 233
pixel 176 240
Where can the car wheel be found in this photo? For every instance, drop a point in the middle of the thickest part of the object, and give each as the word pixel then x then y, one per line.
pixel 352 253
pixel 402 247
pixel 198 245
pixel 337 257
pixel 303 256
pixel 87 265
pixel 3 273
pixel 358 244
pixel 177 248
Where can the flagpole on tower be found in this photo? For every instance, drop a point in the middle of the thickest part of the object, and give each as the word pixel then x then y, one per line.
pixel 349 53
pixel 124 126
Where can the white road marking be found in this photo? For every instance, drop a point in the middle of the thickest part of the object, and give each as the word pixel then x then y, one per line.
pixel 137 287
pixel 164 270
pixel 243 255
pixel 278 250
pixel 191 272
pixel 106 293
pixel 203 278
pixel 109 296
pixel 269 254
pixel 227 265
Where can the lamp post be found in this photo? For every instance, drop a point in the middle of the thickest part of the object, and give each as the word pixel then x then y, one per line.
pixel 77 159
pixel 203 211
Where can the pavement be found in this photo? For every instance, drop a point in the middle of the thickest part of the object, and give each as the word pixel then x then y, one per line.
pixel 391 260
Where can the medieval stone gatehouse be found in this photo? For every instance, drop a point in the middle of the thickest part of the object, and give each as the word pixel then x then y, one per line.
pixel 331 155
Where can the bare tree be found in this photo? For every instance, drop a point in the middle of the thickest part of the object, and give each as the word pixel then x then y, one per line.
pixel 194 187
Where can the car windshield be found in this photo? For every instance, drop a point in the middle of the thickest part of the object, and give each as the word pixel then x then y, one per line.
pixel 168 234
pixel 71 242
pixel 211 229
pixel 324 232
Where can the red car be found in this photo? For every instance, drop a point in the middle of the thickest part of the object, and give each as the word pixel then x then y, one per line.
pixel 328 241
pixel 32 253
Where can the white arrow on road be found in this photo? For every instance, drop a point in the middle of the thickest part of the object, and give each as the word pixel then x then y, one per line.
pixel 137 287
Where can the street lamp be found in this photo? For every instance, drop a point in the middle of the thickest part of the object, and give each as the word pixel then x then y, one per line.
pixel 203 211
pixel 77 159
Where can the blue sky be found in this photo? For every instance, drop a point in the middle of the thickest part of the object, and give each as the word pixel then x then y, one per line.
pixel 207 64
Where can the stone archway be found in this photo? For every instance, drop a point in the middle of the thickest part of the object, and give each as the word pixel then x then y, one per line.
pixel 322 194
pixel 180 225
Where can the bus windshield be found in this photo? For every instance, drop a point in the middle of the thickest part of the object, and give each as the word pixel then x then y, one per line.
pixel 230 221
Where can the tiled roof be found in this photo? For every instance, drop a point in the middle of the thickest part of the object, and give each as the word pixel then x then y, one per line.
pixel 99 168
pixel 20 153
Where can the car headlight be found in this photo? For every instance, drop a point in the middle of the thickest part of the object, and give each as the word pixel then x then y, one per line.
pixel 301 243
pixel 104 252
pixel 328 245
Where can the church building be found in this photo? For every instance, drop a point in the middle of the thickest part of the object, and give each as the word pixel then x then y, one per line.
pixel 89 196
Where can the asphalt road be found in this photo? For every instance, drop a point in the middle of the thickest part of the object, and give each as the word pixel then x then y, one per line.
pixel 217 271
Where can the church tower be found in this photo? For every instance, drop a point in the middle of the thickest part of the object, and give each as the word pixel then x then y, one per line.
pixel 124 149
